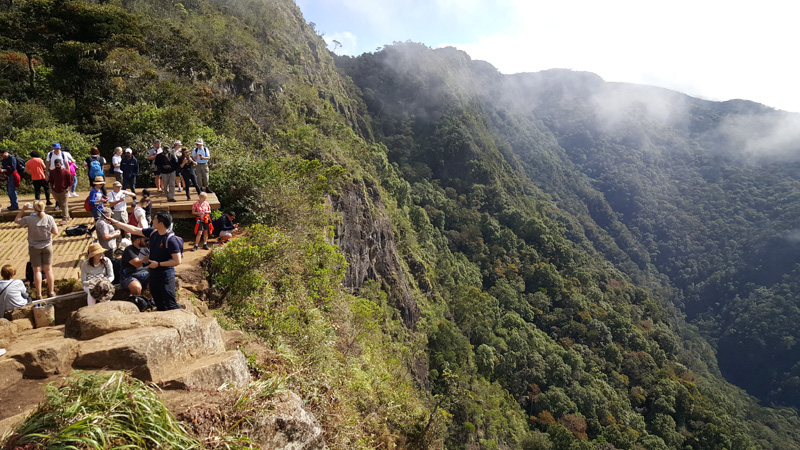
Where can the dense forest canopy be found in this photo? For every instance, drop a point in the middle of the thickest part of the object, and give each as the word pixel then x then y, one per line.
pixel 520 254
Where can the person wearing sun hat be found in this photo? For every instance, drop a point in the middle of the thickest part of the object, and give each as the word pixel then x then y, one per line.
pixel 201 156
pixel 96 266
pixel 96 197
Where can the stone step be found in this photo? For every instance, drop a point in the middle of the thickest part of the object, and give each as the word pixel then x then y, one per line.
pixel 43 352
pixel 215 372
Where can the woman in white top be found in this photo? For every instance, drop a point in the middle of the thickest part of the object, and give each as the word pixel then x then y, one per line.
pixel 41 229
pixel 96 266
pixel 13 293
pixel 140 213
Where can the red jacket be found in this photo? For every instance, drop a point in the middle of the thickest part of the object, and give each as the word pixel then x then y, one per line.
pixel 60 181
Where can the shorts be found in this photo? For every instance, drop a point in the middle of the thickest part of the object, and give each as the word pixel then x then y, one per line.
pixel 225 234
pixel 201 226
pixel 41 256
pixel 142 277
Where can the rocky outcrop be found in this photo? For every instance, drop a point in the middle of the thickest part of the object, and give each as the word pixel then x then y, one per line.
pixel 289 426
pixel 366 237
pixel 174 348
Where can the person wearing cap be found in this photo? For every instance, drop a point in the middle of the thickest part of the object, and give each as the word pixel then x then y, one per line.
pixel 130 169
pixel 97 265
pixel 135 259
pixel 166 252
pixel 201 156
pixel 118 204
pixel 67 162
pixel 9 168
pixel 224 227
pixel 60 182
pixel 106 233
pixel 186 163
pixel 154 152
pixel 41 229
pixel 167 165
pixel 97 197
pixel 36 168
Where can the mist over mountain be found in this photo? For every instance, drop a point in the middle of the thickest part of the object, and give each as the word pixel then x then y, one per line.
pixel 438 255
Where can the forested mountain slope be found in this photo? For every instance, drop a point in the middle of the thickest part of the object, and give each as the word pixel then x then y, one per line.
pixel 433 265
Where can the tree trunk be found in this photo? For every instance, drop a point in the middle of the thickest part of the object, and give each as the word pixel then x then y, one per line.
pixel 31 72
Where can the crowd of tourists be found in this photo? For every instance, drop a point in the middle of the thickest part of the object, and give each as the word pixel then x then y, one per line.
pixel 138 250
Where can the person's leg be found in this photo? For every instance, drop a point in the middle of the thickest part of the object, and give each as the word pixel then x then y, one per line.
pixel 169 185
pixel 37 279
pixel 158 183
pixel 46 191
pixel 158 289
pixel 202 175
pixel 12 192
pixel 205 238
pixel 74 186
pixel 51 279
pixel 37 190
pixel 170 301
pixel 193 177
pixel 61 200
pixel 134 287
pixel 197 238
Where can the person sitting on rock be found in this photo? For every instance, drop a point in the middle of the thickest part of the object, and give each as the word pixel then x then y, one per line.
pixel 13 293
pixel 224 227
pixel 166 252
pixel 106 234
pixel 96 266
pixel 135 259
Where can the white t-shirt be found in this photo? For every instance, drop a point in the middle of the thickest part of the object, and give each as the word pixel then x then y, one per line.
pixel 116 160
pixel 65 158
pixel 114 196
pixel 141 216
pixel 13 295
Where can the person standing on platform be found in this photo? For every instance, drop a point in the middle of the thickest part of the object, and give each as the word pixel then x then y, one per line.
pixel 154 152
pixel 97 197
pixel 94 163
pixel 36 168
pixel 201 156
pixel 130 169
pixel 166 252
pixel 67 162
pixel 41 229
pixel 167 165
pixel 60 182
pixel 9 169
pixel 116 161
pixel 186 163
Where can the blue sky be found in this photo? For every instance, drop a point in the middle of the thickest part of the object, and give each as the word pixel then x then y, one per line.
pixel 711 49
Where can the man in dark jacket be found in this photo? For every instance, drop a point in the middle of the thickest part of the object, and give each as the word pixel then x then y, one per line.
pixel 167 165
pixel 224 227
pixel 9 168
pixel 130 169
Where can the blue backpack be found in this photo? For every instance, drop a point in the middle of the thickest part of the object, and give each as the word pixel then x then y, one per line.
pixel 95 169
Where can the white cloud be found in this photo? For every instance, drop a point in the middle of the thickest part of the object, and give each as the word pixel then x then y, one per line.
pixel 711 49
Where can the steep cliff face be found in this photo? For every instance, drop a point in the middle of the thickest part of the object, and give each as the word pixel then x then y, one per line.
pixel 366 237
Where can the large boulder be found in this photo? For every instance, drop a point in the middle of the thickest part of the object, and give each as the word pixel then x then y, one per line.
pixel 152 345
pixel 43 352
pixel 214 372
pixel 288 426
pixel 11 371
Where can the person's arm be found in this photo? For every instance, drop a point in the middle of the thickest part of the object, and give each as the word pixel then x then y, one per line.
pixel 175 261
pixel 108 237
pixel 109 269
pixel 22 211
pixel 125 227
pixel 84 274
pixel 54 228
pixel 139 262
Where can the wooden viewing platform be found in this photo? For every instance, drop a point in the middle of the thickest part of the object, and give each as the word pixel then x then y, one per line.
pixel 181 209
pixel 69 252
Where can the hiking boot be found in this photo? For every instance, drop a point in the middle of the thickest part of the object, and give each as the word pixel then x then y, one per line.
pixel 188 197
pixel 12 208
pixel 209 191
pixel 194 249
pixel 171 200
pixel 49 203
pixel 205 246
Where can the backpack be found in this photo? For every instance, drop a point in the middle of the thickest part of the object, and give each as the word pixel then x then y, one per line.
pixel 143 303
pixel 132 218
pixel 86 205
pixel 95 169
pixel 77 230
pixel 20 165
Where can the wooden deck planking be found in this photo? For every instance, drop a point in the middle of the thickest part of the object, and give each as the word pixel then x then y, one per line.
pixel 68 251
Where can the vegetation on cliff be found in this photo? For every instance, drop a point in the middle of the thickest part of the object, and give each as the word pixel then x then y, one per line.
pixel 496 290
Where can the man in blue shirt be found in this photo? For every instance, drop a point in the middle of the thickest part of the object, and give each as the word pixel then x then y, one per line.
pixel 201 155
pixel 166 252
